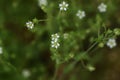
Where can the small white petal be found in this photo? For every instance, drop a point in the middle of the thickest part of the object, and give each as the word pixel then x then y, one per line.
pixel 65 9
pixel 60 5
pixel 66 5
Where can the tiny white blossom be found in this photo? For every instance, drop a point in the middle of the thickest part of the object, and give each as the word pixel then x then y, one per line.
pixel 26 73
pixel 30 24
pixel 80 14
pixel 63 6
pixel 111 43
pixel 54 44
pixel 1 51
pixel 42 3
pixel 55 36
pixel 102 7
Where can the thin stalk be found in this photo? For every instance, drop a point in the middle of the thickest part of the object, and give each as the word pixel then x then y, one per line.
pixel 55 73
pixel 91 47
pixel 42 20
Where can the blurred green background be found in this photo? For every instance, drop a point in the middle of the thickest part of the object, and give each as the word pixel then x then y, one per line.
pixel 26 54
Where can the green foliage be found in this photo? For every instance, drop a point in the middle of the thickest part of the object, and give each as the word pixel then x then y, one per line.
pixel 31 54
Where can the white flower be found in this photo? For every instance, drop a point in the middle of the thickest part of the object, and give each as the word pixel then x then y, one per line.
pixel 111 43
pixel 42 3
pixel 80 14
pixel 63 6
pixel 30 24
pixel 102 7
pixel 26 73
pixel 54 44
pixel 55 37
pixel 1 51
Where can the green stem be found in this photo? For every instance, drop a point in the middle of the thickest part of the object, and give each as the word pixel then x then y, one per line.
pixel 87 52
pixel 42 20
pixel 55 73
pixel 91 47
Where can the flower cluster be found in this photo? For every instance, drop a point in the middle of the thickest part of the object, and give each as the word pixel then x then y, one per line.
pixel 30 25
pixel 111 43
pixel 55 41
pixel 63 6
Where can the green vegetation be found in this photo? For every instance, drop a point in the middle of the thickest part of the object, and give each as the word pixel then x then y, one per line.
pixel 59 40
